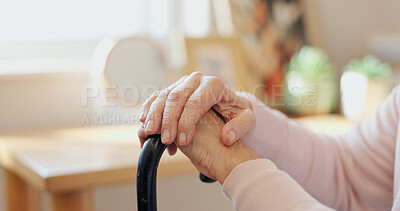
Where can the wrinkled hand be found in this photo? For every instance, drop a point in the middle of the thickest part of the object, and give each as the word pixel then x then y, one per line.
pixel 209 155
pixel 175 111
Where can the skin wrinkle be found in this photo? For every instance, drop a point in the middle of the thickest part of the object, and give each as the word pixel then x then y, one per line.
pixel 200 94
pixel 177 100
pixel 206 159
pixel 208 153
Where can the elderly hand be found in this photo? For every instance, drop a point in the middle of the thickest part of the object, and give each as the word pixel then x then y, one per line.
pixel 209 155
pixel 175 111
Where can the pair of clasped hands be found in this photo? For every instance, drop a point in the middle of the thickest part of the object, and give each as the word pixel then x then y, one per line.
pixel 182 114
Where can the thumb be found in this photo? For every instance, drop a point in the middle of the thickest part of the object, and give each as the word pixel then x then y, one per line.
pixel 238 127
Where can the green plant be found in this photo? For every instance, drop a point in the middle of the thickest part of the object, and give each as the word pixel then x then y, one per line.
pixel 311 62
pixel 369 66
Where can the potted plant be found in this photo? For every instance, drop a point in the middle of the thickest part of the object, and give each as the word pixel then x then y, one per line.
pixel 311 86
pixel 363 86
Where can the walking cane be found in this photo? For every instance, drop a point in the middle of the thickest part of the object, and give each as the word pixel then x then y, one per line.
pixel 149 158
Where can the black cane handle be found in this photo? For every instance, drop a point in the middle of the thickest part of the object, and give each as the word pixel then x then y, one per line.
pixel 146 182
pixel 146 176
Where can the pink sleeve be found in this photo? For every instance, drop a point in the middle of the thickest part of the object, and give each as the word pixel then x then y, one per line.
pixel 349 172
pixel 259 185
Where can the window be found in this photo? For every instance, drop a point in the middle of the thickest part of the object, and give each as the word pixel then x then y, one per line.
pixel 69 30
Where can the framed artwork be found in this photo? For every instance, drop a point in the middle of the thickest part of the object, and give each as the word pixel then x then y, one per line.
pixel 271 31
pixel 220 57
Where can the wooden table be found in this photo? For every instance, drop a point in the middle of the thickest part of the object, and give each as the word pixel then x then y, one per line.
pixel 69 163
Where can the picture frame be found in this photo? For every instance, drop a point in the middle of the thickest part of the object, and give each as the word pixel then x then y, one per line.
pixel 220 57
pixel 271 32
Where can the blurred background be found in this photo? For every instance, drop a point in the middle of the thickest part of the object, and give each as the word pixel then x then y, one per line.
pixel 303 57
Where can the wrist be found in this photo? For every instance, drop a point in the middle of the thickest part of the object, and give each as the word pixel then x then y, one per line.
pixel 234 155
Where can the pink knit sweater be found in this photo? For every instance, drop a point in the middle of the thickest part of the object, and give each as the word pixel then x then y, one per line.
pixel 311 171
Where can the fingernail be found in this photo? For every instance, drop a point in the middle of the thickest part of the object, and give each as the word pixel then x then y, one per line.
pixel 231 136
pixel 182 138
pixel 165 136
pixel 150 125
pixel 141 116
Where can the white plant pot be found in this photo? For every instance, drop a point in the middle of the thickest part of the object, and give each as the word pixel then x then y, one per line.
pixel 361 95
pixel 306 96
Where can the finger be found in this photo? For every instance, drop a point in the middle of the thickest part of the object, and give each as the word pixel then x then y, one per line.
pixel 208 94
pixel 172 149
pixel 146 106
pixel 231 100
pixel 174 106
pixel 153 119
pixel 237 127
pixel 142 135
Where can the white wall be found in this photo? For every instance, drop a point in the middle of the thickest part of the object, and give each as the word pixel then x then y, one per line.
pixel 41 101
pixel 347 26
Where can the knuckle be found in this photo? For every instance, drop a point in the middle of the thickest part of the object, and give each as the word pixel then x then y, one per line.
pixel 165 123
pixel 167 120
pixel 161 96
pixel 149 100
pixel 152 109
pixel 214 81
pixel 155 112
pixel 159 101
pixel 163 93
pixel 183 124
pixel 187 124
pixel 157 116
pixel 195 105
pixel 174 96
pixel 196 74
pixel 152 112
